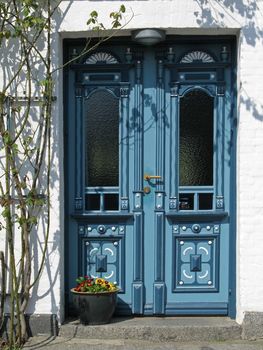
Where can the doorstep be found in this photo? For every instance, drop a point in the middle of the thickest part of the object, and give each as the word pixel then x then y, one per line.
pixel 159 329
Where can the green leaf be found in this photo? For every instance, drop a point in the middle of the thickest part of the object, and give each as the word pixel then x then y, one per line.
pixel 26 11
pixel 80 279
pixel 6 213
pixel 116 24
pixel 7 34
pixel 94 14
pixel 122 9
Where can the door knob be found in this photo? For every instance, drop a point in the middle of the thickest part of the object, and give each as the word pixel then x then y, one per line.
pixel 151 177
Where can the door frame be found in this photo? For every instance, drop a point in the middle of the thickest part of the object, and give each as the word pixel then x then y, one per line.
pixel 67 45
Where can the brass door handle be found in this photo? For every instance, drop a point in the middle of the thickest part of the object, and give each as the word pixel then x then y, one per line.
pixel 151 177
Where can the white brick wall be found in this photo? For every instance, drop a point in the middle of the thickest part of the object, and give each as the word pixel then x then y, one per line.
pixel 185 17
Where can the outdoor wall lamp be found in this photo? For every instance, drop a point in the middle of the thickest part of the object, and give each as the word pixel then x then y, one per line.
pixel 148 37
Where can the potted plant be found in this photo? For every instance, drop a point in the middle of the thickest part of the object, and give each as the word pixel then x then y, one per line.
pixel 95 299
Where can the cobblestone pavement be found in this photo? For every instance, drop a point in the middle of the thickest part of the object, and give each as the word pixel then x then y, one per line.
pixel 59 343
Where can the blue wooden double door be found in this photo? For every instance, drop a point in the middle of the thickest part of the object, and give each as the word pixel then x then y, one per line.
pixel 150 162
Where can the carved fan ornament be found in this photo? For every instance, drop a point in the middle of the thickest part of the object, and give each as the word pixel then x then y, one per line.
pixel 197 56
pixel 101 58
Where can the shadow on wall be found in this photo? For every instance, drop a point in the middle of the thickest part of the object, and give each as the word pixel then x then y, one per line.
pixel 214 12
pixel 10 61
pixel 53 264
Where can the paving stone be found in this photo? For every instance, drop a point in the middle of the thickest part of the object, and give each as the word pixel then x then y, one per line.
pixel 60 343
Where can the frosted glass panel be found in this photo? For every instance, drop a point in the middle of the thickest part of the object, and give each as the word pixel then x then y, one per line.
pixel 102 140
pixel 196 139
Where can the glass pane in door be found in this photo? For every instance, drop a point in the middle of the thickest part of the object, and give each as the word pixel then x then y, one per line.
pixel 196 139
pixel 102 140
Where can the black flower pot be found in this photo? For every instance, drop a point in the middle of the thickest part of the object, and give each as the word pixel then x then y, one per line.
pixel 95 308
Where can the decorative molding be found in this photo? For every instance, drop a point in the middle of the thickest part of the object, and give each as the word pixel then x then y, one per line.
pixel 159 298
pixel 159 200
pixel 196 264
pixel 128 55
pixel 198 308
pixel 78 149
pixel 174 147
pixel 194 216
pixel 176 229
pixel 138 247
pixel 101 229
pixel 81 230
pixel 138 72
pixel 102 217
pixel 221 134
pixel 89 90
pixel 170 55
pixel 197 56
pixel 138 129
pixel 173 203
pixel 124 146
pixel 93 89
pixel 159 244
pixel 219 202
pixel 210 90
pixel 101 58
pixel 160 71
pixel 160 130
pixel 78 91
pixel 220 90
pixel 217 229
pixel 137 298
pixel 174 89
pixel 224 54
pixel 196 228
pixel 138 200
pixel 104 258
pixel 124 91
pixel 124 203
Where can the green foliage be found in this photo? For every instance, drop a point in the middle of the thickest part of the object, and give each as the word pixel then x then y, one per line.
pixel 23 17
pixel 25 142
pixel 116 17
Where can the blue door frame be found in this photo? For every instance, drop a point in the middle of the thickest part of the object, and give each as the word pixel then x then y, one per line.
pixel 168 243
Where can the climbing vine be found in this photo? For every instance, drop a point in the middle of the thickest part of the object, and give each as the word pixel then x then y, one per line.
pixel 27 83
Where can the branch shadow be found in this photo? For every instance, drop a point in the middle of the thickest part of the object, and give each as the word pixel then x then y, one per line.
pixel 246 15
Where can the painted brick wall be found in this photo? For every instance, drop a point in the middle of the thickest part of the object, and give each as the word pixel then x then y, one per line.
pixel 238 17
